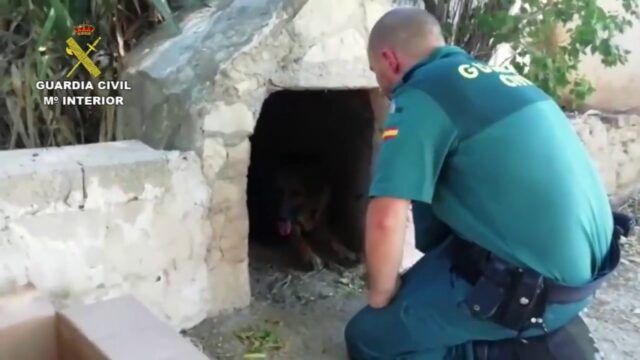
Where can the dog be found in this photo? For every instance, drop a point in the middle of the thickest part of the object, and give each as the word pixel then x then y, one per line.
pixel 303 218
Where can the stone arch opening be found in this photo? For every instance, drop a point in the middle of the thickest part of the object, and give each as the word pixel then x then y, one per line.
pixel 322 140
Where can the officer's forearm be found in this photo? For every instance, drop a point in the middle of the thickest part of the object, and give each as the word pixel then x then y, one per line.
pixel 386 221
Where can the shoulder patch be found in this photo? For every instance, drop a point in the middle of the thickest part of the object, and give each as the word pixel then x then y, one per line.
pixel 390 133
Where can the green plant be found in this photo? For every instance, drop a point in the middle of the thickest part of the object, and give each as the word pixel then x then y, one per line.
pixel 259 341
pixel 32 48
pixel 549 38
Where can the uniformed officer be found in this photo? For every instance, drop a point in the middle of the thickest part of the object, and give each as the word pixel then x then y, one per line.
pixel 491 162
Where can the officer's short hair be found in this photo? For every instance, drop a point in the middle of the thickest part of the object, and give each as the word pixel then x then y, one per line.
pixel 405 29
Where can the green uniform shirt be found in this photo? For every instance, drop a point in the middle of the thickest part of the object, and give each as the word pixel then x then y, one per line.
pixel 499 163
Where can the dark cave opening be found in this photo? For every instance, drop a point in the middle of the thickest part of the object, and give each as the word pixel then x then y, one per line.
pixel 322 139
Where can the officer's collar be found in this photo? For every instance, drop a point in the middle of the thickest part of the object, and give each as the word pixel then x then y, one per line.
pixel 439 53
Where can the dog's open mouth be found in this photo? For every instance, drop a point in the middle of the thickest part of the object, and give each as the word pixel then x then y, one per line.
pixel 284 227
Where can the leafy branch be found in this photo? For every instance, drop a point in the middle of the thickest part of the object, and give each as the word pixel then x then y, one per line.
pixel 549 38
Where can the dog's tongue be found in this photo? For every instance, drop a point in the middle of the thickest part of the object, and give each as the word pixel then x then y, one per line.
pixel 284 228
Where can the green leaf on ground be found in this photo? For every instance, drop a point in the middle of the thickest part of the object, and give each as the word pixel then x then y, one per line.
pixel 259 341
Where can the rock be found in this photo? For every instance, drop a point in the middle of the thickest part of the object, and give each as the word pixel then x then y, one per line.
pixel 215 74
pixel 230 120
pixel 233 279
pixel 612 141
pixel 237 163
pixel 202 90
pixel 214 155
pixel 119 218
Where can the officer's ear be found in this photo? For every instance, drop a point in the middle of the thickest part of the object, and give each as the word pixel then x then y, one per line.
pixel 390 59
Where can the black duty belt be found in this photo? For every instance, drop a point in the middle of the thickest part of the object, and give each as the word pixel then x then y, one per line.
pixel 517 297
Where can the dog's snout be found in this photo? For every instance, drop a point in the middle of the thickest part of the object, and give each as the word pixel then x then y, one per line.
pixel 284 227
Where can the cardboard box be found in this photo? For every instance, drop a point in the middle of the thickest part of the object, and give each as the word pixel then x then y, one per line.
pixel 117 329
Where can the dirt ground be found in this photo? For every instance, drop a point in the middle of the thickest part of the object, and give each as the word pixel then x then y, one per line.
pixel 298 315
pixel 293 315
pixel 614 316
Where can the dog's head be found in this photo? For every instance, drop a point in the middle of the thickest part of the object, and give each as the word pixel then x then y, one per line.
pixel 300 188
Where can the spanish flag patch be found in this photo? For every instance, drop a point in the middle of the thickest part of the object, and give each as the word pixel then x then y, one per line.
pixel 390 133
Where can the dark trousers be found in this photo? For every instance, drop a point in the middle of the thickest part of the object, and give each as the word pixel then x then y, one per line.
pixel 427 321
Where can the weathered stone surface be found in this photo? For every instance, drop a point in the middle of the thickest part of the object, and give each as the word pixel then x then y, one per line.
pixel 216 73
pixel 143 227
pixel 215 76
pixel 612 141
pixel 237 163
pixel 233 239
pixel 233 279
pixel 229 119
pixel 12 262
pixel 214 155
pixel 225 195
pixel 23 191
pixel 230 222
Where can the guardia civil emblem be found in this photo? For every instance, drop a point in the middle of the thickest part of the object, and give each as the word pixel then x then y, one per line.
pixel 74 49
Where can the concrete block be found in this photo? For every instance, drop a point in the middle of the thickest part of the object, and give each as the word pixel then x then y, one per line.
pixel 237 163
pixel 234 279
pixel 226 194
pixel 144 228
pixel 229 119
pixel 612 142
pixel 234 235
pixel 214 155
pixel 32 180
pixel 349 45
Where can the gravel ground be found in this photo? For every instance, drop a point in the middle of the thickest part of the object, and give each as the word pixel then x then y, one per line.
pixel 293 315
pixel 614 317
pixel 302 316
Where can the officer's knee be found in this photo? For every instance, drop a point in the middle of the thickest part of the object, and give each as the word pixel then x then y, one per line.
pixel 351 330
pixel 356 333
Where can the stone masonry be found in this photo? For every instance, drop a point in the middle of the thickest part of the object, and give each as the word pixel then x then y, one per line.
pixel 614 144
pixel 86 223
pixel 203 90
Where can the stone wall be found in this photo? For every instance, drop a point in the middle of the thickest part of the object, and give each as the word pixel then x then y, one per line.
pixel 85 223
pixel 210 81
pixel 203 90
pixel 614 144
